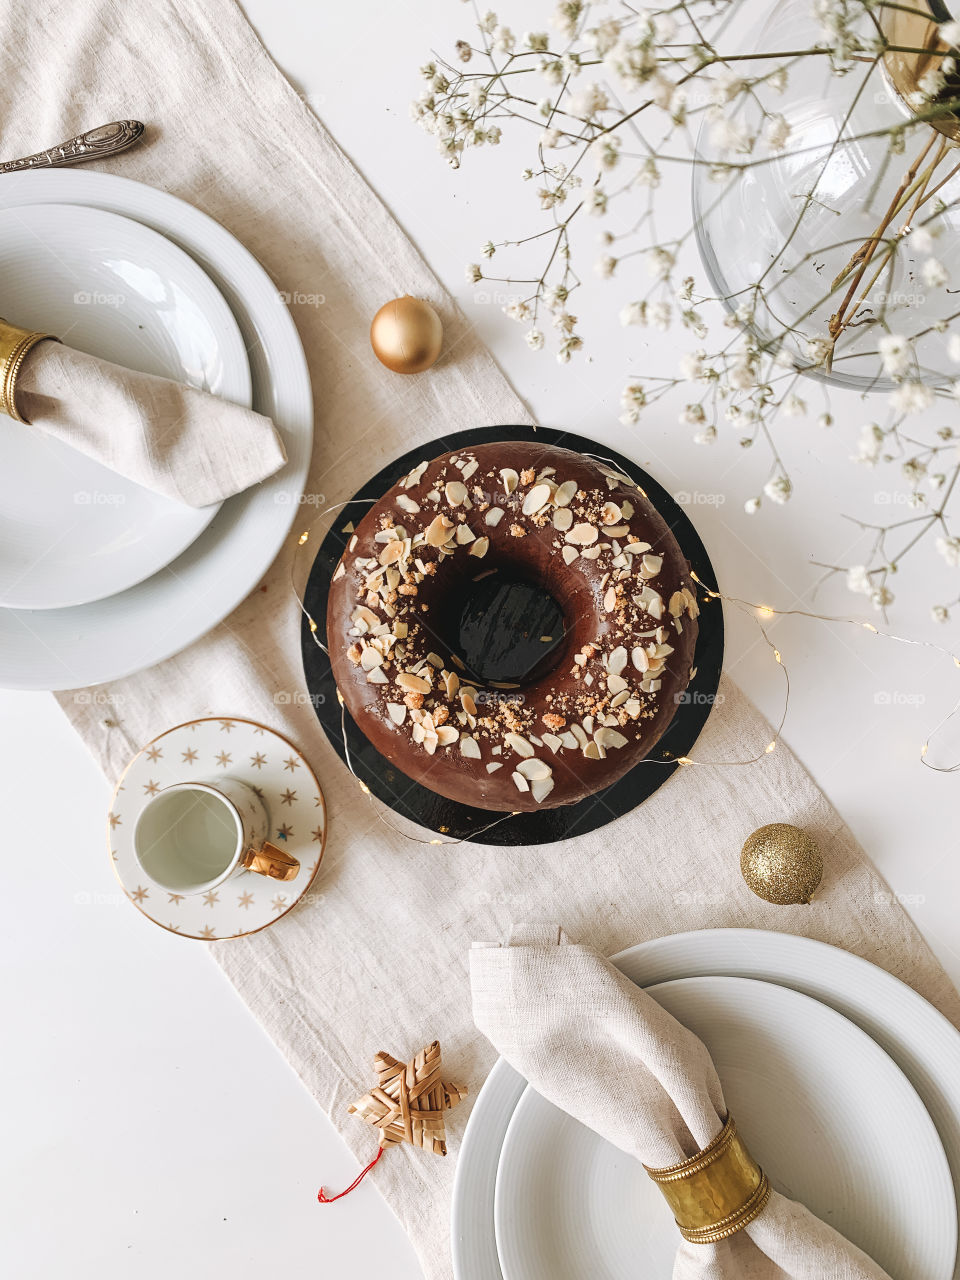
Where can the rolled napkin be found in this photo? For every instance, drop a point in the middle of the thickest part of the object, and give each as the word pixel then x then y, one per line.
pixel 186 444
pixel 594 1044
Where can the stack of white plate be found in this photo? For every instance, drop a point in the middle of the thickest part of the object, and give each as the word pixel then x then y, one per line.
pixel 98 576
pixel 844 1082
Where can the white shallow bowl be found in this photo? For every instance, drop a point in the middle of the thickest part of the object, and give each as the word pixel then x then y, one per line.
pixel 826 1113
pixel 110 638
pixel 71 530
pixel 918 1038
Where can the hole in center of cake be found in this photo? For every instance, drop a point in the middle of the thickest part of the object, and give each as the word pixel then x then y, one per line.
pixel 505 629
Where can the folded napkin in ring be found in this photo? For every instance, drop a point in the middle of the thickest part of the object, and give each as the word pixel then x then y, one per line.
pixel 186 444
pixel 600 1048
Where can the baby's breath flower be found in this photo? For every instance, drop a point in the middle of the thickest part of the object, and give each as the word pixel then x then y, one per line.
pixel 504 40
pixel 779 489
pixel 633 313
pixel 660 262
pixel 776 132
pixel 566 16
pixel 534 339
pixel 949 548
pixel 940 613
pixel 794 407
pixel 896 354
pixel 911 397
pixel 489 249
pixel 590 101
pixel 858 580
pixel 633 398
pixel 934 273
pixel 536 41
pixel 870 445
pixel 473 272
pixel 752 506
pixel 605 266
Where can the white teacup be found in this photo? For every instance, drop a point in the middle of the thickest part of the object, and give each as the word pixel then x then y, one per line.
pixel 192 836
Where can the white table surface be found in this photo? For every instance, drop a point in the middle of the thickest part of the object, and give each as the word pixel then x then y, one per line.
pixel 148 1126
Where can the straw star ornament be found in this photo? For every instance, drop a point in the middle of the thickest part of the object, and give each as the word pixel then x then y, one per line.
pixel 409 1100
pixel 406 1105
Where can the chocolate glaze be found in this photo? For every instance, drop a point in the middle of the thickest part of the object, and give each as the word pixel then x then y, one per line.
pixel 597 628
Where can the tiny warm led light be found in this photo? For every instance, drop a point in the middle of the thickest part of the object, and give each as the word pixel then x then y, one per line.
pixel 923 749
pixel 340 697
pixel 868 626
pixel 435 842
pixel 776 654
pixel 364 788
pixel 769 747
pixel 956 662
pixel 684 760
pixel 313 625
pixel 303 537
pixel 764 611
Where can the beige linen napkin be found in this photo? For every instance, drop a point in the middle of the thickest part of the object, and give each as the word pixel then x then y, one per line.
pixel 186 444
pixel 597 1046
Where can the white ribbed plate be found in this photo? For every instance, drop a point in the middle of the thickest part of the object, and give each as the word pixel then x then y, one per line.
pixel 71 530
pixel 110 638
pixel 918 1038
pixel 830 1117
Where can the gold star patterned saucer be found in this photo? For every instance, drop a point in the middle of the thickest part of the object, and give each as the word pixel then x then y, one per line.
pixel 205 750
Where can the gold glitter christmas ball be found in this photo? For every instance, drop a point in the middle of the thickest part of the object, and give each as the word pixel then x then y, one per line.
pixel 781 864
pixel 406 335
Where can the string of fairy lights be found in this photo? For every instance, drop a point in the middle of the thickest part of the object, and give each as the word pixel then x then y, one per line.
pixel 761 614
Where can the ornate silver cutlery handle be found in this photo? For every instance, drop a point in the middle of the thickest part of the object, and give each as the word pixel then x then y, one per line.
pixel 106 140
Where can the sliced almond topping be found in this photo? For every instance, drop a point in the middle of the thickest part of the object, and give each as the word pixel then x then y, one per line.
pixel 494 765
pixel 619 699
pixel 391 553
pixel 447 735
pixel 397 712
pixel 593 751
pixel 569 554
pixel 413 684
pixel 521 783
pixel 494 516
pixel 430 742
pixel 407 504
pixel 376 676
pixel 438 531
pixel 456 492
pixel 632 707
pixel 370 658
pixel 341 570
pixel 651 566
pixel 617 530
pixel 579 735
pixel 463 535
pixel 470 748
pixel 636 548
pixel 607 738
pixel 400 630
pixel 677 604
pixel 510 479
pixel 414 476
pixel 583 534
pixel 640 659
pixel 610 513
pixel 520 745
pixel 569 741
pixel 562 519
pixel 451 683
pixel 617 661
pixel 480 547
pixel 534 769
pixel 616 684
pixel 538 497
pixel 540 788
pixel 553 742
pixel 467 701
pixel 610 600
pixel 469 468
pixel 565 493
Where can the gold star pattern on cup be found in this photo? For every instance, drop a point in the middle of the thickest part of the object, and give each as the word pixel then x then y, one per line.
pixel 317 834
pixel 288 796
pixel 291 763
pixel 245 900
pixel 154 753
pixel 211 897
pixel 139 893
pixel 223 759
pixel 258 761
pixel 284 832
pixel 409 1100
pixel 189 756
pixel 176 898
pixel 207 933
pixel 114 819
pixel 279 902
pixel 151 788
pixel 227 726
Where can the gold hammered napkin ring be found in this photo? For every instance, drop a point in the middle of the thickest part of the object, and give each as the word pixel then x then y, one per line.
pixel 15 345
pixel 717 1191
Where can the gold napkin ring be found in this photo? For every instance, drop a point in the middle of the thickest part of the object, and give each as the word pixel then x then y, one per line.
pixel 15 345
pixel 717 1191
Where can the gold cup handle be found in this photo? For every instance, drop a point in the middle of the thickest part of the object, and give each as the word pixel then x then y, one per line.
pixel 270 861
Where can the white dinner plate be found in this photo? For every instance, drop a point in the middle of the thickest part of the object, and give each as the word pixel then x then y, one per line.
pixel 918 1038
pixel 110 638
pixel 71 530
pixel 827 1114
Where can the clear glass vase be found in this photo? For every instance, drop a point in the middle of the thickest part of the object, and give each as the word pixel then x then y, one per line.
pixel 795 221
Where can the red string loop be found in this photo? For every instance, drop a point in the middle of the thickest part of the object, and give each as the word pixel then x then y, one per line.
pixel 325 1199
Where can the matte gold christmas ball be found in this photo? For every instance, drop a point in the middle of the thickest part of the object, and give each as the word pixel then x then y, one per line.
pixel 406 335
pixel 781 864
